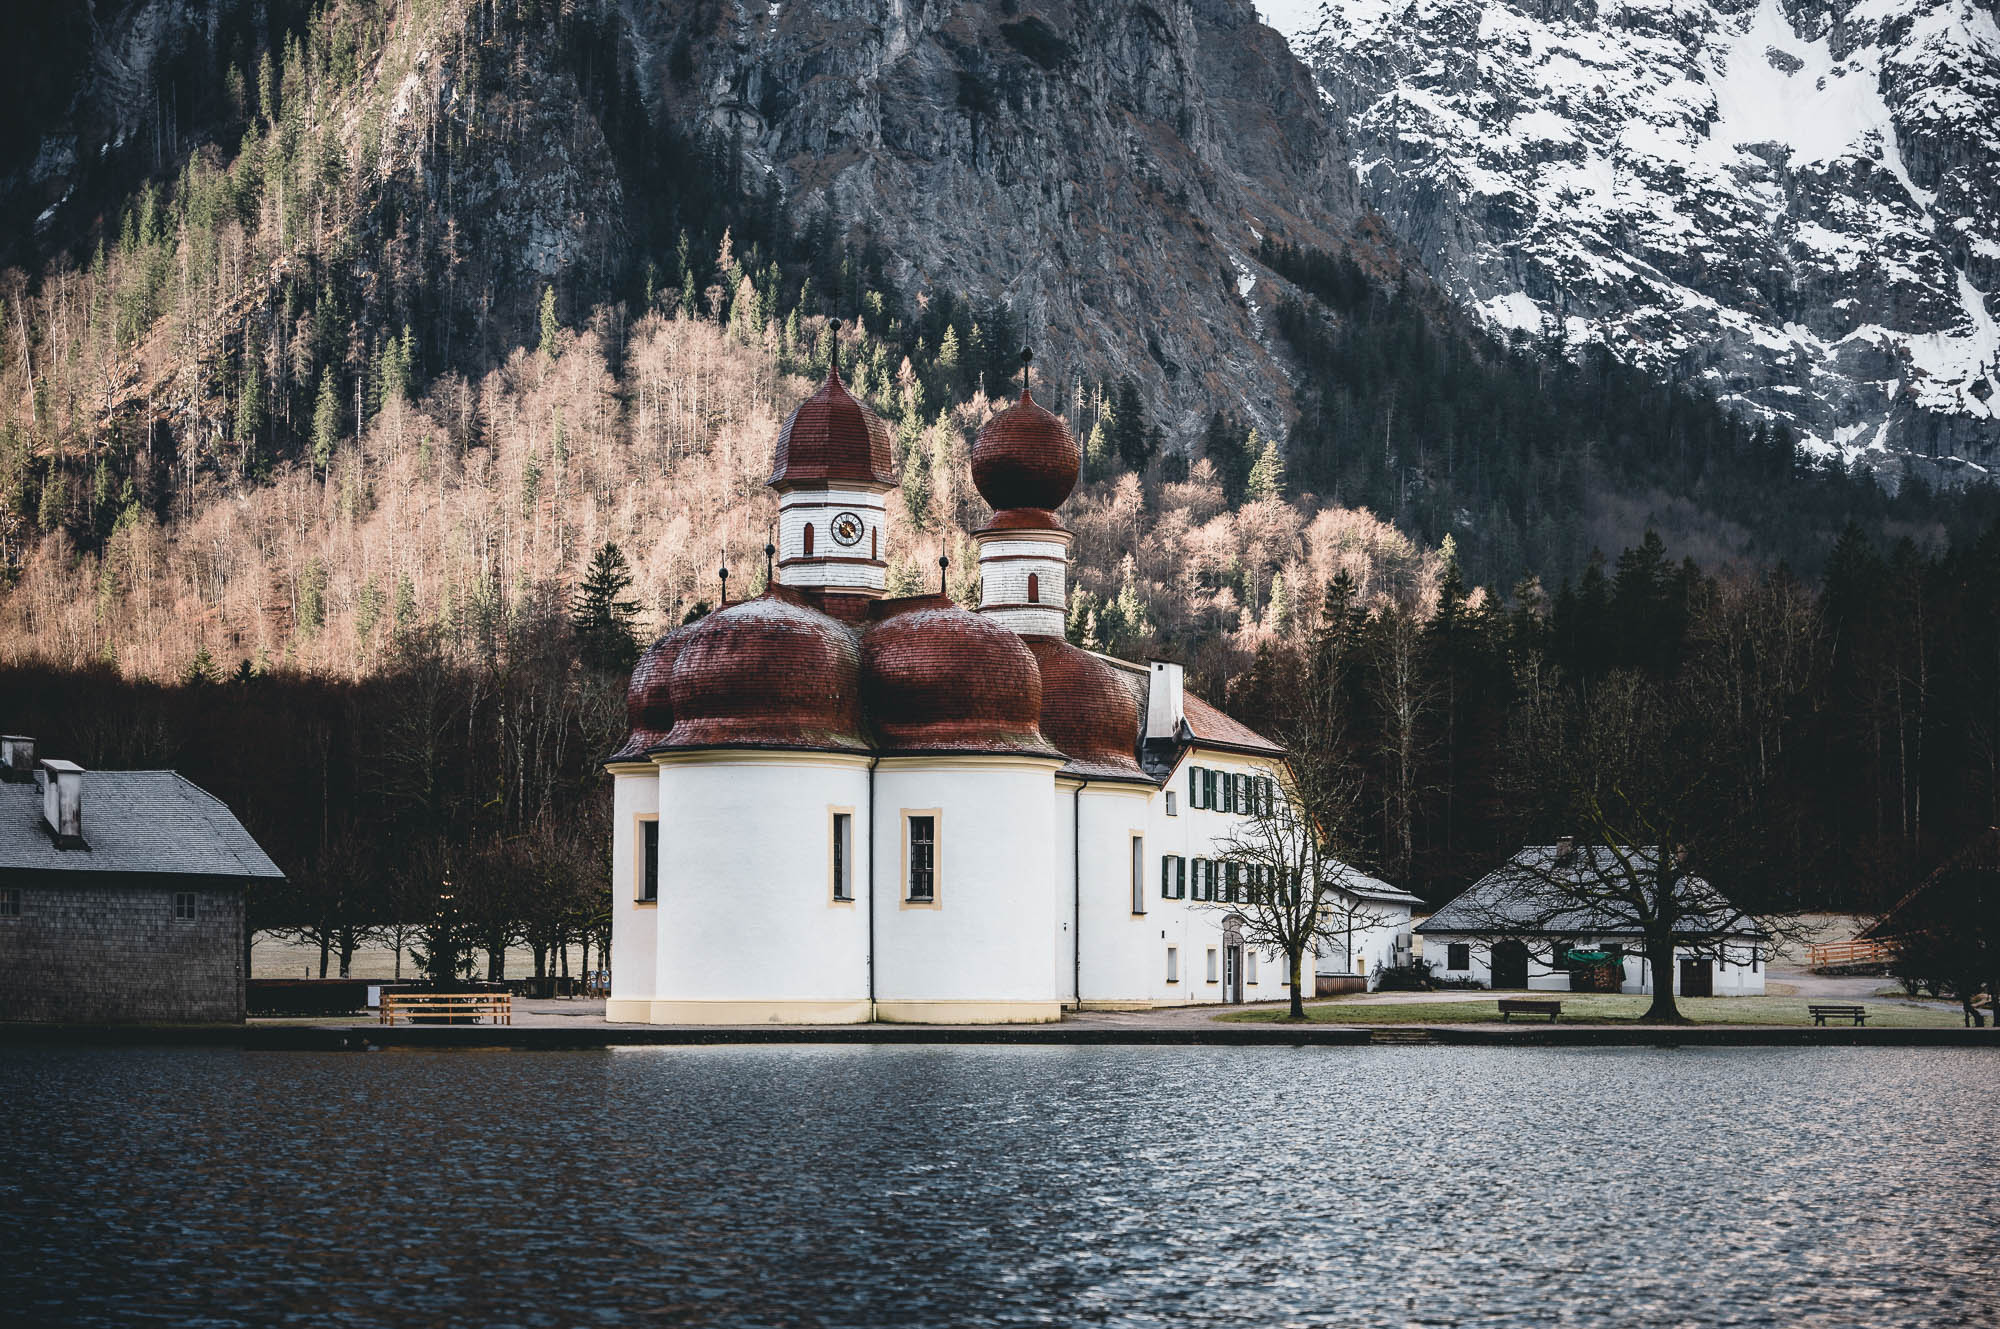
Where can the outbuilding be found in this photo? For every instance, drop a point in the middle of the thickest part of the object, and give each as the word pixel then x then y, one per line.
pixel 131 913
pixel 1549 919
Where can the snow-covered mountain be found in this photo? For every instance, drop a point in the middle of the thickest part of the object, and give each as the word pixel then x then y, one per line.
pixel 1797 201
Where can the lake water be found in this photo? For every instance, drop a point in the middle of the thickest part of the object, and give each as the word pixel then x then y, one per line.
pixel 949 1186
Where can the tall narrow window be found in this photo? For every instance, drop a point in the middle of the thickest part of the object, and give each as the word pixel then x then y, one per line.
pixel 872 534
pixel 183 906
pixel 1194 786
pixel 1230 873
pixel 649 869
pixel 1214 966
pixel 1139 874
pixel 1228 803
pixel 1173 964
pixel 843 855
pixel 1034 589
pixel 809 539
pixel 923 860
pixel 1250 966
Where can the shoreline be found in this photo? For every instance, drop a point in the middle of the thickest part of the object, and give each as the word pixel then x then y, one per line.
pixel 294 1037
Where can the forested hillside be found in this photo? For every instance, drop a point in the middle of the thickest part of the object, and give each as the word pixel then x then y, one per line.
pixel 322 384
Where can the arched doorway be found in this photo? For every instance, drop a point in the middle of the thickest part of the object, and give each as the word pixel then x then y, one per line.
pixel 1510 964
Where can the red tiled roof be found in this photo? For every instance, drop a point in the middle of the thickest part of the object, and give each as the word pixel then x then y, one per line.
pixel 831 436
pixel 938 679
pixel 649 703
pixel 1211 728
pixel 1087 712
pixel 1025 457
pixel 770 672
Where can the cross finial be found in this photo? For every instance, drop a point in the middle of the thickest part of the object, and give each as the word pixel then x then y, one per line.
pixel 1027 361
pixel 943 563
pixel 770 552
pixel 723 572
pixel 834 324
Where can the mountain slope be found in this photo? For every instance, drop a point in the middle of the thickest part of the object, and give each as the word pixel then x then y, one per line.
pixel 1793 202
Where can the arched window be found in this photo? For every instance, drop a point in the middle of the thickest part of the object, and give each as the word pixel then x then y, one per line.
pixel 871 543
pixel 809 539
pixel 1034 589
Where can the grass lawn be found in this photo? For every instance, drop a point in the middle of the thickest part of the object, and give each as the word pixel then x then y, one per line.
pixel 1603 1008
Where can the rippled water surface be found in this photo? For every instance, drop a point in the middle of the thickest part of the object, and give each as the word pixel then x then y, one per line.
pixel 978 1185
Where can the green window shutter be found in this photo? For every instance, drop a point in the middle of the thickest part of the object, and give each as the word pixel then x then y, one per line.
pixel 1194 786
pixel 1166 876
pixel 1180 878
pixel 1208 789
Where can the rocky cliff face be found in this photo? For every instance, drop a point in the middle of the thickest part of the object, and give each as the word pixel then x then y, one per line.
pixel 1796 202
pixel 1104 167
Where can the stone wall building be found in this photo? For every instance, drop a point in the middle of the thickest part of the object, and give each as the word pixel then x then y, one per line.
pixel 133 913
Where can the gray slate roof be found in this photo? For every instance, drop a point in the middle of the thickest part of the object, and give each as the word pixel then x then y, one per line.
pixel 135 822
pixel 1360 884
pixel 1518 896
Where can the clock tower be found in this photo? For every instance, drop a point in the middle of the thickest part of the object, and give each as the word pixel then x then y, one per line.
pixel 833 470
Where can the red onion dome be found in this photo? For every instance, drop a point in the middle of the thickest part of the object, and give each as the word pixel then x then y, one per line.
pixel 832 437
pixel 772 672
pixel 649 706
pixel 938 679
pixel 1087 711
pixel 1025 457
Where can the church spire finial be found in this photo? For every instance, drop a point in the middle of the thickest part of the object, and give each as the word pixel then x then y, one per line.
pixel 833 361
pixel 1027 367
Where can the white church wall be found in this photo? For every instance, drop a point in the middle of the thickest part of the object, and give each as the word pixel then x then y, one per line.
pixel 634 796
pixel 979 952
pixel 748 930
pixel 817 508
pixel 1119 945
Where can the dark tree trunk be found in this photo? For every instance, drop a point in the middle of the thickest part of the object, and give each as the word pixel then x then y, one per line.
pixel 325 951
pixel 1297 961
pixel 1660 963
pixel 541 949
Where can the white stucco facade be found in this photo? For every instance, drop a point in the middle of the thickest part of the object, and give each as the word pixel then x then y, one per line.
pixel 1735 969
pixel 834 537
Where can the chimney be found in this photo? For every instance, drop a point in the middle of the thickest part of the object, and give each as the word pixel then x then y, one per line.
pixel 17 758
pixel 62 802
pixel 1164 709
pixel 1566 849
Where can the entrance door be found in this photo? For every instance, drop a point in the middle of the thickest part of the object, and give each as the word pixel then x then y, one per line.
pixel 1232 973
pixel 1510 964
pixel 1697 977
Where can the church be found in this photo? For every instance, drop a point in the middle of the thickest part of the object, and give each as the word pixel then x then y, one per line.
pixel 833 806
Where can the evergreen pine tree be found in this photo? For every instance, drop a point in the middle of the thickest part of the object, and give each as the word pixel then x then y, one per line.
pixel 326 423
pixel 1278 611
pixel 550 327
pixel 1267 476
pixel 602 617
pixel 201 670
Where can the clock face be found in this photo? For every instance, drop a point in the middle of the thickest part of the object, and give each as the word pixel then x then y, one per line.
pixel 847 529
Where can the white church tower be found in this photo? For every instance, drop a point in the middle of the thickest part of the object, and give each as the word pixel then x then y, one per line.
pixel 833 468
pixel 1025 464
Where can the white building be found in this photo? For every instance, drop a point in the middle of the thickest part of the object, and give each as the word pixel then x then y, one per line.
pixel 1374 933
pixel 833 806
pixel 1524 925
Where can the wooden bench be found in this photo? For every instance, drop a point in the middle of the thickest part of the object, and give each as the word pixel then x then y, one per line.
pixel 1821 1014
pixel 1512 1006
pixel 496 1006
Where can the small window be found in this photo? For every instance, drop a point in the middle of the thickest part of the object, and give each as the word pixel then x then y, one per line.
pixel 923 860
pixel 809 539
pixel 183 906
pixel 1034 589
pixel 1214 970
pixel 1173 964
pixel 10 902
pixel 1139 874
pixel 1458 955
pixel 843 854
pixel 1250 966
pixel 1172 811
pixel 872 533
pixel 1194 786
pixel 1228 791
pixel 649 873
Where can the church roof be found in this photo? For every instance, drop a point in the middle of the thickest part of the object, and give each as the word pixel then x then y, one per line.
pixel 1025 460
pixel 832 438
